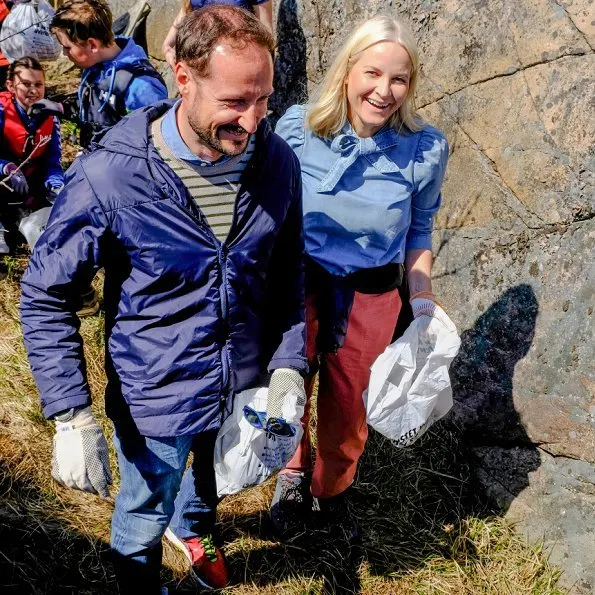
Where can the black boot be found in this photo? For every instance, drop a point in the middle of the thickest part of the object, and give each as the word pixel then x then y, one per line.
pixel 291 507
pixel 334 515
pixel 88 304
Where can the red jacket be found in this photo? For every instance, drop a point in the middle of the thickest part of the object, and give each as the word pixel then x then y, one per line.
pixel 17 142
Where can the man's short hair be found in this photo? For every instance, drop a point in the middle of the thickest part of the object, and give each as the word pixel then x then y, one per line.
pixel 82 19
pixel 202 30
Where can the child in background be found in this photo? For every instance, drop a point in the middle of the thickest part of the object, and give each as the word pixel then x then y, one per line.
pixel 117 78
pixel 30 147
pixel 117 75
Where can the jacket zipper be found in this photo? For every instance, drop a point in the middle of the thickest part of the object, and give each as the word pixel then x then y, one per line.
pixel 223 298
pixel 225 363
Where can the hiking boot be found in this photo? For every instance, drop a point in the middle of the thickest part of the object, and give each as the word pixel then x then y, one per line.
pixel 89 304
pixel 4 249
pixel 335 517
pixel 292 503
pixel 207 565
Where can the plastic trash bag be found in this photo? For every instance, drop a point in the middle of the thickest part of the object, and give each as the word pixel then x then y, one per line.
pixel 26 32
pixel 245 455
pixel 409 385
pixel 32 225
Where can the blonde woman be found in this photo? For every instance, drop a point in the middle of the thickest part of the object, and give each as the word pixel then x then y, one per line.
pixel 263 9
pixel 371 172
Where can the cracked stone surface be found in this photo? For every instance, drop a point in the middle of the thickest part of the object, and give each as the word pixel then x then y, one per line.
pixel 552 499
pixel 525 367
pixel 512 86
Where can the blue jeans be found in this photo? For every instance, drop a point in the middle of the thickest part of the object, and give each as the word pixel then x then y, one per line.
pixel 156 490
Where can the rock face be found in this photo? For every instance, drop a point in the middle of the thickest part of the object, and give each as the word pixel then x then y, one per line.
pixel 512 86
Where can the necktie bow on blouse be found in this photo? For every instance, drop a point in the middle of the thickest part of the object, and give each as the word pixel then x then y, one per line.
pixel 348 147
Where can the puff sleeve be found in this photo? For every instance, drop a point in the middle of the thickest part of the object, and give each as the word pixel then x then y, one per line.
pixel 291 128
pixel 429 168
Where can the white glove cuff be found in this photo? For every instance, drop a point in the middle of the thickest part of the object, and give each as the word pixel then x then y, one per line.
pixel 82 418
pixel 423 307
pixel 288 373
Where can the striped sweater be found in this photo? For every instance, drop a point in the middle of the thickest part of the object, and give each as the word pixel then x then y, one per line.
pixel 213 187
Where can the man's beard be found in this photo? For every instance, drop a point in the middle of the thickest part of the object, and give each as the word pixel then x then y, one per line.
pixel 210 139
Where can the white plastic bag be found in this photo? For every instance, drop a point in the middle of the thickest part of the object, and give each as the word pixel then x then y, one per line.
pixel 32 225
pixel 246 456
pixel 26 32
pixel 409 385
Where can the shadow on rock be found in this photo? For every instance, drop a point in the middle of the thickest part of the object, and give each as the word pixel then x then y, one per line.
pixel 415 503
pixel 290 66
pixel 482 377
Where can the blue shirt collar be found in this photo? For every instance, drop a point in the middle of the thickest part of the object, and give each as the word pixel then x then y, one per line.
pixel 385 138
pixel 349 146
pixel 171 135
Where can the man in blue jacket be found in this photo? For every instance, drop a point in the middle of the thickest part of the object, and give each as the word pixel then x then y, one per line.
pixel 117 75
pixel 193 208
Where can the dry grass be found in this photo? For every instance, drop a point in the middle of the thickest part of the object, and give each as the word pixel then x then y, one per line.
pixel 424 531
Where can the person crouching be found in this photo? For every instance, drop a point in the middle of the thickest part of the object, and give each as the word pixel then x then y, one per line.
pixel 30 152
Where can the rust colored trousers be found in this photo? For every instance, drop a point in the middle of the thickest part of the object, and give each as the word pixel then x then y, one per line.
pixel 341 429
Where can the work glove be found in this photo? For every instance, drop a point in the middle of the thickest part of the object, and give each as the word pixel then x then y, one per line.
pixel 80 459
pixel 424 303
pixel 283 382
pixel 44 107
pixel 52 193
pixel 16 178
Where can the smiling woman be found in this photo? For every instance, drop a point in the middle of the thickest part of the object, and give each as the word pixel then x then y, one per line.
pixel 371 177
pixel 377 86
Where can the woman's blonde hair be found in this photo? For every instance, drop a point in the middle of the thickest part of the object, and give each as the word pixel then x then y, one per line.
pixel 328 109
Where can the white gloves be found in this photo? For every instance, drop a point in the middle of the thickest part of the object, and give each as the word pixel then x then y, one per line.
pixel 80 459
pixel 424 303
pixel 284 381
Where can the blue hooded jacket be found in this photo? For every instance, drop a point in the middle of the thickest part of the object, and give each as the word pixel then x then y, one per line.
pixel 104 100
pixel 189 320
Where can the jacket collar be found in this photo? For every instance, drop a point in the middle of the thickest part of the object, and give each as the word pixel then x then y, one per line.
pixel 130 136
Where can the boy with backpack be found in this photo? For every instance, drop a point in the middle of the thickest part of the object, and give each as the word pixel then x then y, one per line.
pixel 117 75
pixel 117 78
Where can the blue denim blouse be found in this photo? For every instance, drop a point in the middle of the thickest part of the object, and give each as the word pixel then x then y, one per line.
pixel 366 201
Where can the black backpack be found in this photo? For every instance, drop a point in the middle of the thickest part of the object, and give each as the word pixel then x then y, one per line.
pixel 103 108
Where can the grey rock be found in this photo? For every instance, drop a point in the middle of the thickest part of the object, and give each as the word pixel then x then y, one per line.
pixel 551 499
pixel 524 372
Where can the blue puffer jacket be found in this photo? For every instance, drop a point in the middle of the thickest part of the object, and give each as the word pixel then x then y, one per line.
pixel 189 320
